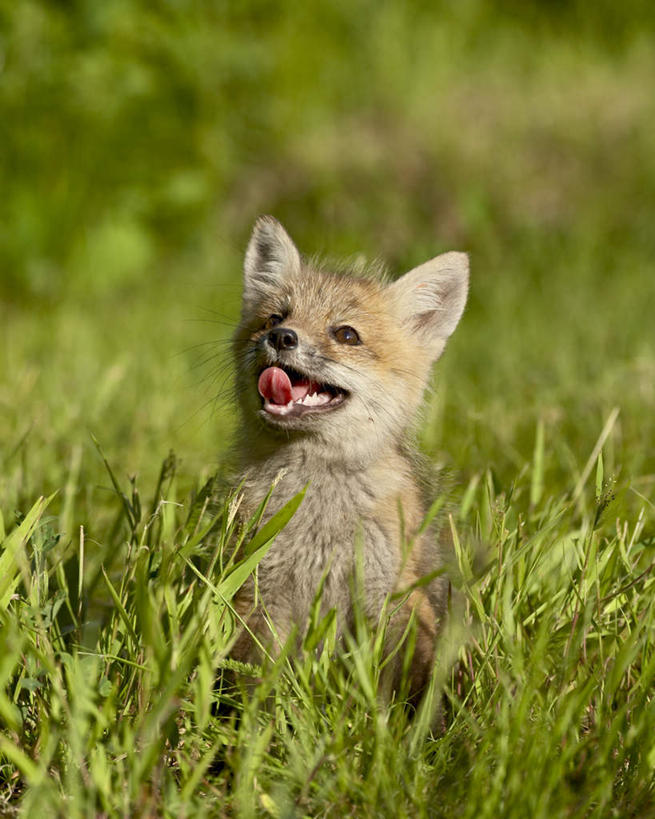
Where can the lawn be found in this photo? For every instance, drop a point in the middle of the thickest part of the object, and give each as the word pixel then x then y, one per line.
pixel 139 143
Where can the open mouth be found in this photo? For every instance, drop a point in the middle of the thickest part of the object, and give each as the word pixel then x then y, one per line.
pixel 287 392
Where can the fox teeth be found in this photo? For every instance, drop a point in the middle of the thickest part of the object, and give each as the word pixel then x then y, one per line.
pixel 313 400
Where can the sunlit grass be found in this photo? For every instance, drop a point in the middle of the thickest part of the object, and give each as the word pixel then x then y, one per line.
pixel 547 667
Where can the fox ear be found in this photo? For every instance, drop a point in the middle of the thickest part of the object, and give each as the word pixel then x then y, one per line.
pixel 431 298
pixel 270 258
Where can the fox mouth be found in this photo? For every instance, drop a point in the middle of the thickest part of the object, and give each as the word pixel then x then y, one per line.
pixel 288 393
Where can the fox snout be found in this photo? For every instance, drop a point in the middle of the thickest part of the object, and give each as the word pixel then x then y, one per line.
pixel 282 338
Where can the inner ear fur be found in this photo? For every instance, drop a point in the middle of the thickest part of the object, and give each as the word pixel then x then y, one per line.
pixel 431 298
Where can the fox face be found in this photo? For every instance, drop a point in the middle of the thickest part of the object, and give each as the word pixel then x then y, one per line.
pixel 339 360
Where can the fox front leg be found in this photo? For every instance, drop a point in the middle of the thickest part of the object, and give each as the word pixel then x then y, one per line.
pixel 411 667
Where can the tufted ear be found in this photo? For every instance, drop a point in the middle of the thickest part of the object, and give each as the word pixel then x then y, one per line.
pixel 271 257
pixel 430 299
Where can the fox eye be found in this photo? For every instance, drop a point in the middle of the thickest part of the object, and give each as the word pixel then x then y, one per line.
pixel 273 320
pixel 347 335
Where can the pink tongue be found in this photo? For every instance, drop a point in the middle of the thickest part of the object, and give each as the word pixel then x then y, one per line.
pixel 275 385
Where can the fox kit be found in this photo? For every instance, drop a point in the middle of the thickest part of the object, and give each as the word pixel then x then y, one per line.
pixel 331 371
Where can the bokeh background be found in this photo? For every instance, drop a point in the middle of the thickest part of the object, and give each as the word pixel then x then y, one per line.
pixel 139 141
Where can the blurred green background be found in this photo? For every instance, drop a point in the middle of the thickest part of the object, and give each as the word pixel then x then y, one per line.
pixel 139 141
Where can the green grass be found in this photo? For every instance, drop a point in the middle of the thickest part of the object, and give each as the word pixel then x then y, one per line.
pixel 139 143
pixel 549 701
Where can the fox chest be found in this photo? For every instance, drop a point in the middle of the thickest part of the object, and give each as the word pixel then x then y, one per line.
pixel 335 528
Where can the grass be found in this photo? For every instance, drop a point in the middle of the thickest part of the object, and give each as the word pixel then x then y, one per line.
pixel 549 701
pixel 143 143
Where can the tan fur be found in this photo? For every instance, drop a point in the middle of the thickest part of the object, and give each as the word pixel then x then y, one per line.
pixel 356 460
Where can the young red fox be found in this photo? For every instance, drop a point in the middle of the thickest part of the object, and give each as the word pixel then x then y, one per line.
pixel 331 370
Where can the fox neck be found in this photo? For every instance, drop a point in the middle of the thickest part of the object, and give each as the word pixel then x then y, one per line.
pixel 356 453
pixel 337 489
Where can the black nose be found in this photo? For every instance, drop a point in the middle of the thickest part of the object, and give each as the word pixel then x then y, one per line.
pixel 282 338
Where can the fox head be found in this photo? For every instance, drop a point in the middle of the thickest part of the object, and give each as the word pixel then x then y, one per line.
pixel 336 360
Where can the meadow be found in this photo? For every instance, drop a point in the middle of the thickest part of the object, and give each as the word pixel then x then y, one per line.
pixel 139 141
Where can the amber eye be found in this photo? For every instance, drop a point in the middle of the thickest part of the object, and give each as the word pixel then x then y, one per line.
pixel 346 335
pixel 273 320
